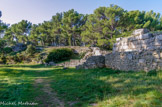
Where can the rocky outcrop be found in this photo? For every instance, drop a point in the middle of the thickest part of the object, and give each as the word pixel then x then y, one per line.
pixel 93 62
pixel 140 32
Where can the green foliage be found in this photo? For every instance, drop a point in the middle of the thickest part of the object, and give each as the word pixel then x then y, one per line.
pixel 102 87
pixel 71 28
pixel 18 32
pixel 3 59
pixel 2 44
pixel 16 59
pixel 3 26
pixel 31 49
pixel 58 55
pixel 72 22
pixel 0 13
pixel 103 25
pixel 81 55
pixel 8 50
pixel 147 24
pixel 17 87
pixel 152 73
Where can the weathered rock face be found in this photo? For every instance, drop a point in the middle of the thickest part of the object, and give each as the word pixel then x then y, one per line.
pixel 140 32
pixel 134 61
pixel 71 63
pixel 95 51
pixel 136 53
pixel 93 62
pixel 138 43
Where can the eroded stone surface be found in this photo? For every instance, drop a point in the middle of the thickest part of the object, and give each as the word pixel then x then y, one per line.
pixel 138 52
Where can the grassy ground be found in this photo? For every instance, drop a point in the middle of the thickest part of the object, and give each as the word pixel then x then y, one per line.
pixel 79 88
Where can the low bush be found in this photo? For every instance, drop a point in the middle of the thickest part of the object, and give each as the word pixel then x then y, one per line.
pixel 8 50
pixel 58 55
pixel 31 49
pixel 3 59
pixel 16 59
pixel 152 73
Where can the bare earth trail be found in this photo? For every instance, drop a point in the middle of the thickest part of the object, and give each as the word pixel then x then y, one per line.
pixel 48 98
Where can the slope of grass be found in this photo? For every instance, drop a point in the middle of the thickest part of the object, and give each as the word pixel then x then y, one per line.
pixel 82 88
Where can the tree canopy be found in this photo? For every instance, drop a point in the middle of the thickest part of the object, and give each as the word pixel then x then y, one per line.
pixel 71 28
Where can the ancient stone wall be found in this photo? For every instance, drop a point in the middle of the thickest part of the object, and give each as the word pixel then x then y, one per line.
pixel 136 53
pixel 93 59
pixel 139 43
pixel 134 61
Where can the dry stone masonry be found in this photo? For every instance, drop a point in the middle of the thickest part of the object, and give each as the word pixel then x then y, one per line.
pixel 93 59
pixel 141 51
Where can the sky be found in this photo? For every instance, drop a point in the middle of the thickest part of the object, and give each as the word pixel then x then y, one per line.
pixel 37 11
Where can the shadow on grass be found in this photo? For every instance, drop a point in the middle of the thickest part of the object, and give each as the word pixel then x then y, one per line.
pixel 30 66
pixel 15 90
pixel 85 87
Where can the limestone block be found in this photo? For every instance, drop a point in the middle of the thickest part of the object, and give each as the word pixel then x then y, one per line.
pixel 130 39
pixel 128 50
pixel 129 56
pixel 124 47
pixel 159 37
pixel 123 43
pixel 115 49
pixel 138 37
pixel 125 40
pixel 157 60
pixel 145 69
pixel 140 31
pixel 150 48
pixel 158 43
pixel 131 45
pixel 115 45
pixel 160 65
pixel 136 42
pixel 147 36
pixel 118 39
pixel 141 61
pixel 147 41
pixel 161 55
pixel 156 55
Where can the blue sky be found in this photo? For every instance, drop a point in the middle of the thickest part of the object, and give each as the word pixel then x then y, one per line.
pixel 37 11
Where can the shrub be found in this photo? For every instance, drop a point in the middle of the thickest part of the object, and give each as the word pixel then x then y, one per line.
pixel 3 59
pixel 82 55
pixel 31 49
pixel 7 50
pixel 16 59
pixel 151 73
pixel 58 55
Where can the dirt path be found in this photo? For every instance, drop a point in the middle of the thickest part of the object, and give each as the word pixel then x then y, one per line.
pixel 48 97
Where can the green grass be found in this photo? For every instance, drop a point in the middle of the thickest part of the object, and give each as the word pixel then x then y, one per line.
pixel 82 88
